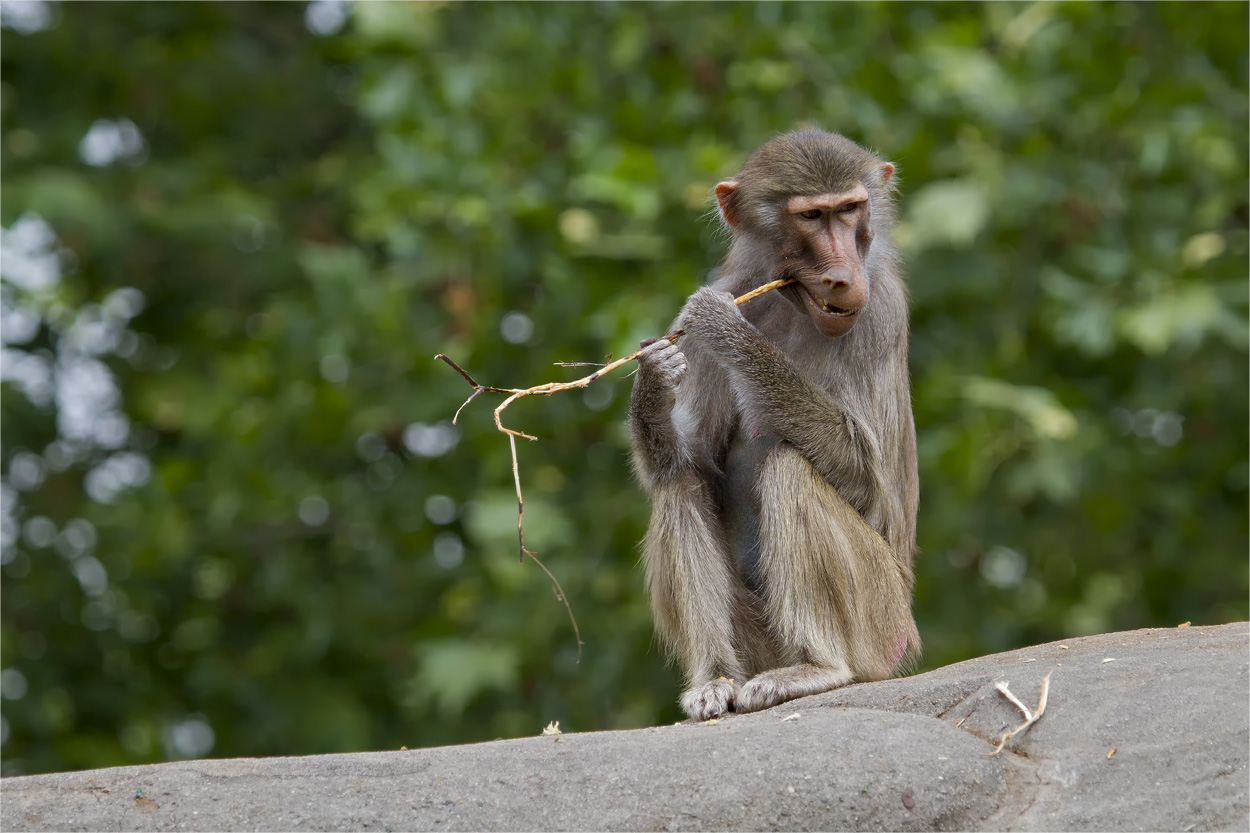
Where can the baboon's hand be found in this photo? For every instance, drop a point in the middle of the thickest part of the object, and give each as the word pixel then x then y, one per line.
pixel 709 309
pixel 662 361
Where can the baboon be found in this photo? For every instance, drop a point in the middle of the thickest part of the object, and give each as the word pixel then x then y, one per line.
pixel 777 445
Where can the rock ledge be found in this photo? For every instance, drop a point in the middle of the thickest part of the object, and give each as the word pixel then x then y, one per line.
pixel 905 754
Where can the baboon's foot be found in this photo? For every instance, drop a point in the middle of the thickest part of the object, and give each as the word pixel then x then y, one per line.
pixel 711 699
pixel 779 685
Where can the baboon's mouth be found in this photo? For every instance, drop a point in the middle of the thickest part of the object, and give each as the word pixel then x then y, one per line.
pixel 826 308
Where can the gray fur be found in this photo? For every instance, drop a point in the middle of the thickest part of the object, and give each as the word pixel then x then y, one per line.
pixel 781 464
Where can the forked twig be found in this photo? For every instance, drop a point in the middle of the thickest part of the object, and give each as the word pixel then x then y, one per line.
pixel 1030 717
pixel 513 394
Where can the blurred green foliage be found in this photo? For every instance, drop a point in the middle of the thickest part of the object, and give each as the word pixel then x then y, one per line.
pixel 237 520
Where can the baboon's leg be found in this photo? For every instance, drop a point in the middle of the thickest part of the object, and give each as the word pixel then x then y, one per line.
pixel 695 594
pixel 832 590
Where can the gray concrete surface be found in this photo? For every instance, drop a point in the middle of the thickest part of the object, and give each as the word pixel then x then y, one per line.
pixel 906 754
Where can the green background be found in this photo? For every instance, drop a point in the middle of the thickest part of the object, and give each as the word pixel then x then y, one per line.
pixel 236 519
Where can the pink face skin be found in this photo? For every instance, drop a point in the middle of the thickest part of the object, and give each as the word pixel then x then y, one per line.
pixel 822 232
pixel 835 290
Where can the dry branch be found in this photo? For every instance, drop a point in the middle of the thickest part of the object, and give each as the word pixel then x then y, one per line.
pixel 513 394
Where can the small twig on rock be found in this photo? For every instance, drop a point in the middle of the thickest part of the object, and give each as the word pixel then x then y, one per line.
pixel 1030 717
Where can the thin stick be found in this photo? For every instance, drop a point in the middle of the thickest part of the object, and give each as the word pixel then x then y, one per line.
pixel 520 504
pixel 555 584
pixel 559 591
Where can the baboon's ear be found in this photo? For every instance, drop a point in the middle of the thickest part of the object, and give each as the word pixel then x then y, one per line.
pixel 727 200
pixel 887 171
